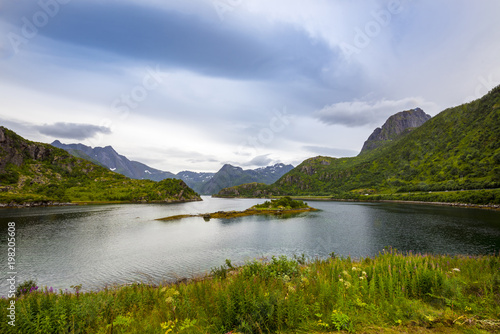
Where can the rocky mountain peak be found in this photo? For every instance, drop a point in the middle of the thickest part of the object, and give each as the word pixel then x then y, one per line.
pixel 394 126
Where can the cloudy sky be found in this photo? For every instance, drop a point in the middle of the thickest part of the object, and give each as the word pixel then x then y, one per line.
pixel 193 84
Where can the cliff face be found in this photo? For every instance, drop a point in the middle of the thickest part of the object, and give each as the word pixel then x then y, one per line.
pixel 15 150
pixel 394 126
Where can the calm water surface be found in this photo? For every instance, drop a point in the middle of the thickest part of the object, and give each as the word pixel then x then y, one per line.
pixel 101 245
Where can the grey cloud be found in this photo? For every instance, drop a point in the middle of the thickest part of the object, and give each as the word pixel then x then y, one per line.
pixel 72 130
pixel 360 113
pixel 330 151
pixel 196 161
pixel 261 160
pixel 179 40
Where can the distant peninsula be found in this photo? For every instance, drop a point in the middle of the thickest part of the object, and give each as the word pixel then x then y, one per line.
pixel 38 174
pixel 285 205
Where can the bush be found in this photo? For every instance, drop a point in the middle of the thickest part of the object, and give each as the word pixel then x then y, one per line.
pixel 26 287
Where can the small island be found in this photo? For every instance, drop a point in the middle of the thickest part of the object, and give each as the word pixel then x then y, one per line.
pixel 280 206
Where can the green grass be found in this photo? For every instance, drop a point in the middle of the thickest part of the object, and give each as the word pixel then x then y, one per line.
pixel 389 293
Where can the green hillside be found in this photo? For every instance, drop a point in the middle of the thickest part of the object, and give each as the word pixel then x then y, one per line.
pixel 35 172
pixel 457 149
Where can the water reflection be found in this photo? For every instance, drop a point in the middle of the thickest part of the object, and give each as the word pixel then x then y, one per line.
pixel 99 245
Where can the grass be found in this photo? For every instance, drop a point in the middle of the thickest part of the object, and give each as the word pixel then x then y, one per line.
pixel 390 293
pixel 248 212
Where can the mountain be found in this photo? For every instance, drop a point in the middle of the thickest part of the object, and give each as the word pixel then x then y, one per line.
pixel 40 173
pixel 229 176
pixel 195 180
pixel 396 125
pixel 108 157
pixel 457 149
pixel 203 183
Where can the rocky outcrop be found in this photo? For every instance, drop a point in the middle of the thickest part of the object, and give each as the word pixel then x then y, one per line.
pixel 15 150
pixel 395 126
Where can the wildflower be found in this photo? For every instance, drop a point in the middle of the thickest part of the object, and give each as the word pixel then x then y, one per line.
pixel 341 280
pixel 347 285
pixel 361 277
pixel 456 269
pixel 345 273
pixel 169 300
pixel 354 268
pixel 291 288
pixel 363 273
pixel 286 278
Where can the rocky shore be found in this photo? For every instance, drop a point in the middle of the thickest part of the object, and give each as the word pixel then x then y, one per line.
pixel 33 204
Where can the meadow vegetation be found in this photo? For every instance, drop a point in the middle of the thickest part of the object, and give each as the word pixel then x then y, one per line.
pixel 391 292
pixel 284 203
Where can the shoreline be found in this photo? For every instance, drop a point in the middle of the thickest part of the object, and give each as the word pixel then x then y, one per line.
pixel 452 204
pixel 235 214
pixel 329 199
pixel 40 204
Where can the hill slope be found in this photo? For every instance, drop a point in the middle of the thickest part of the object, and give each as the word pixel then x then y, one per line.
pixel 108 157
pixel 35 172
pixel 457 149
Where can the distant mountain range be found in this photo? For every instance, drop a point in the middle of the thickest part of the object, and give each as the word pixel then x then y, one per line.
pixel 202 183
pixel 457 149
pixel 40 174
pixel 411 157
pixel 109 158
pixel 229 176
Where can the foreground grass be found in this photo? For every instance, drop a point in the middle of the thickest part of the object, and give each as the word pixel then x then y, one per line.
pixel 391 293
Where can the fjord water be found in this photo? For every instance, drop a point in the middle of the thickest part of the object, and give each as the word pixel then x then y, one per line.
pixel 115 244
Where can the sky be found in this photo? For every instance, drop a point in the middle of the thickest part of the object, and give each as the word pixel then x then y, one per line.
pixel 195 84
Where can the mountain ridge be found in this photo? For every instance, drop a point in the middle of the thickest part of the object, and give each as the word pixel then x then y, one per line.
pixel 454 150
pixel 116 162
pixel 230 175
pixel 395 125
pixel 205 183
pixel 40 173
